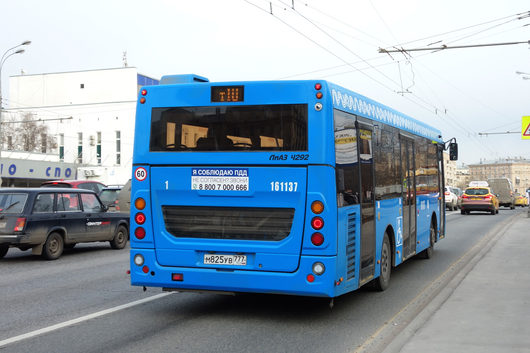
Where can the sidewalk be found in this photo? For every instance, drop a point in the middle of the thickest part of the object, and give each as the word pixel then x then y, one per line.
pixel 489 310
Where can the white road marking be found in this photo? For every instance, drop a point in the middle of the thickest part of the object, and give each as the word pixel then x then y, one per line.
pixel 79 319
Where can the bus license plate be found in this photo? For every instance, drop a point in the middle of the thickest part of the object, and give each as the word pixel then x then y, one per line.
pixel 229 260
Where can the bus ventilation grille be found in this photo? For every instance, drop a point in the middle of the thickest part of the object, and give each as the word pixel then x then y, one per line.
pixel 350 246
pixel 240 223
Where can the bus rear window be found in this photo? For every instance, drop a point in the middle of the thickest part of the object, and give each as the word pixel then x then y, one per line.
pixel 230 128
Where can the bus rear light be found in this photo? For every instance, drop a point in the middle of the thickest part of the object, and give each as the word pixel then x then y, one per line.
pixel 142 100
pixel 317 223
pixel 144 92
pixel 145 269
pixel 177 277
pixel 320 95
pixel 19 225
pixel 319 268
pixel 317 207
pixel 139 203
pixel 138 260
pixel 318 86
pixel 139 218
pixel 139 233
pixel 317 239
pixel 310 278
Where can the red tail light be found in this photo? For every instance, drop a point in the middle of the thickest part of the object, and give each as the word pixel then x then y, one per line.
pixel 317 239
pixel 447 193
pixel 488 197
pixel 139 218
pixel 139 233
pixel 317 223
pixel 19 226
pixel 465 197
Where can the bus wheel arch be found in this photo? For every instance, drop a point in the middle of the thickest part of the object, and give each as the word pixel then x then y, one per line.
pixel 434 222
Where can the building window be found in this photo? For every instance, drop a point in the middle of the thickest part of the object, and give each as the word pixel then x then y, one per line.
pixel 61 147
pixel 80 147
pixel 98 147
pixel 82 85
pixel 118 147
pixel 10 142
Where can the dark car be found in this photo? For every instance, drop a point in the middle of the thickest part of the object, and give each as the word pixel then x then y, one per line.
pixel 123 203
pixel 47 220
pixel 109 196
pixel 93 185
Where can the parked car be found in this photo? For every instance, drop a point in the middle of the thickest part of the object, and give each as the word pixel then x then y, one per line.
pixel 520 200
pixel 124 198
pixel 47 220
pixel 479 199
pixel 451 200
pixel 109 196
pixel 502 188
pixel 93 185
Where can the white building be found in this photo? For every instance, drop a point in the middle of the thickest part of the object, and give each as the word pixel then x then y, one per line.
pixel 90 114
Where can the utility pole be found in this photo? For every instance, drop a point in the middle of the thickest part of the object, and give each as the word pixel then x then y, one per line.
pixel 444 47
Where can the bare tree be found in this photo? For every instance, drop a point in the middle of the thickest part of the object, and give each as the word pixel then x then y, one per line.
pixel 28 135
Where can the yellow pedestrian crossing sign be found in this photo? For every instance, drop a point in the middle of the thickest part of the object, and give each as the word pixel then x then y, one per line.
pixel 525 130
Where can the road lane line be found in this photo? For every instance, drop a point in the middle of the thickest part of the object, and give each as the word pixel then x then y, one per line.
pixel 79 320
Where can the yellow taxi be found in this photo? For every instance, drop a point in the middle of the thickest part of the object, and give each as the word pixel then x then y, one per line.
pixel 520 200
pixel 479 198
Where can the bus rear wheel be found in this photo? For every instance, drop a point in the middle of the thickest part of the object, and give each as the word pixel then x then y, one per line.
pixel 385 265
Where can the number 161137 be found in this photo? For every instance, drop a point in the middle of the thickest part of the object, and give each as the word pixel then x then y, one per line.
pixel 289 186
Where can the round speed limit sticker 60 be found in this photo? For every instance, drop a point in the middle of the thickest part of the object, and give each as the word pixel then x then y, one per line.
pixel 140 173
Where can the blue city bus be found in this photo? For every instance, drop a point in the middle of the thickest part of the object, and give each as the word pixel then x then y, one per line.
pixel 287 187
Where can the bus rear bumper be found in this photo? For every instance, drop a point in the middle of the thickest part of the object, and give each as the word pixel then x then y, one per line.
pixel 151 274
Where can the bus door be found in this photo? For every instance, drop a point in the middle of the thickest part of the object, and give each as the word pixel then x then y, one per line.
pixel 366 172
pixel 408 176
pixel 441 185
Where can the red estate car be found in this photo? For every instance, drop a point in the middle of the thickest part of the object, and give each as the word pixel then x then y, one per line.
pixel 93 185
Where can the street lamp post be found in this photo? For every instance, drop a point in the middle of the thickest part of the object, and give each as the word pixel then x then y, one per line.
pixel 7 54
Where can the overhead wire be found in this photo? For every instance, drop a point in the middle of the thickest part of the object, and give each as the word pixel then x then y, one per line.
pixel 324 48
pixel 521 15
pixel 451 119
pixel 426 105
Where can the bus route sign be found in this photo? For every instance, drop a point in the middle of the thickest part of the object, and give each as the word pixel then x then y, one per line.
pixel 525 130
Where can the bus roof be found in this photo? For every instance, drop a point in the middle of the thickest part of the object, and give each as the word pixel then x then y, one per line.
pixel 349 101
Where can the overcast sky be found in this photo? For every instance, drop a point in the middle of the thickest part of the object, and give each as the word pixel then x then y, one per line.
pixel 463 92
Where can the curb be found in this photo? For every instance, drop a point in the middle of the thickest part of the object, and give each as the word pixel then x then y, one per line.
pixel 398 330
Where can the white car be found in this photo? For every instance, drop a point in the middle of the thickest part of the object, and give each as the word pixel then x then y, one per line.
pixel 451 200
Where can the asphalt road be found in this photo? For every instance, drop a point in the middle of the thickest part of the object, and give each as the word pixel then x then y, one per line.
pixel 90 282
